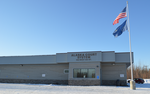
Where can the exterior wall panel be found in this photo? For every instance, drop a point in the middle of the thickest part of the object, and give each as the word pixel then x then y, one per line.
pixel 108 56
pixel 39 59
pixel 34 71
pixel 61 58
pixel 84 56
pixel 123 57
pixel 112 72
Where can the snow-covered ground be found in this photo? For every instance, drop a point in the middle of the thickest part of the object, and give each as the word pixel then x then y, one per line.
pixel 7 88
pixel 145 80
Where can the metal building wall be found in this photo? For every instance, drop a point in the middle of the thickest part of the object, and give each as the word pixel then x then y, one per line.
pixel 111 73
pixel 32 72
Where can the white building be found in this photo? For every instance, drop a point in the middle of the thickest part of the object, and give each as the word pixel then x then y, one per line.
pixel 72 68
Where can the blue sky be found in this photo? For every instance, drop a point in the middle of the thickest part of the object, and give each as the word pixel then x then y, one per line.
pixel 39 27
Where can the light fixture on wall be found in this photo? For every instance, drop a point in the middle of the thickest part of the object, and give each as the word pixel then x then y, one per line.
pixel 97 66
pixel 113 64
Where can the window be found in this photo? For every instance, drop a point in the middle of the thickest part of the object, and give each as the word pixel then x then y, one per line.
pixel 83 73
pixel 66 71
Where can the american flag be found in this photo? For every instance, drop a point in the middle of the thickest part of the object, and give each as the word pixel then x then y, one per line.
pixel 121 15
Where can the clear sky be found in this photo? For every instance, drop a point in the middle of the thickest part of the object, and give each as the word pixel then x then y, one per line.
pixel 39 27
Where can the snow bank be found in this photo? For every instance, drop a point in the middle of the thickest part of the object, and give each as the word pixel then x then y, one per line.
pixel 146 80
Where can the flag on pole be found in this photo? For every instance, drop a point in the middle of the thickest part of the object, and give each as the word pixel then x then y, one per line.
pixel 121 15
pixel 123 27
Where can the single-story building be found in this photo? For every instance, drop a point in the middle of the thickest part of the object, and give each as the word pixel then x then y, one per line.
pixel 72 68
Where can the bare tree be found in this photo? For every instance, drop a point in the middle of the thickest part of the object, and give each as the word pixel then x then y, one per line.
pixel 139 72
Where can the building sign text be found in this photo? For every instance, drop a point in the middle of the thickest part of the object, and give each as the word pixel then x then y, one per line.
pixel 83 56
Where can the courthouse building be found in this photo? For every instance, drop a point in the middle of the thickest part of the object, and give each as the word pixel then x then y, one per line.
pixel 72 68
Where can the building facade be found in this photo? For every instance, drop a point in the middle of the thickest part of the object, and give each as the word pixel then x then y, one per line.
pixel 72 68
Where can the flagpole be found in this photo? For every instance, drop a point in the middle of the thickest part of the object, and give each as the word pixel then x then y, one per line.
pixel 132 83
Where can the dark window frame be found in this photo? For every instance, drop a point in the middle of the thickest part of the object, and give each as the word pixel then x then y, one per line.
pixel 81 76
